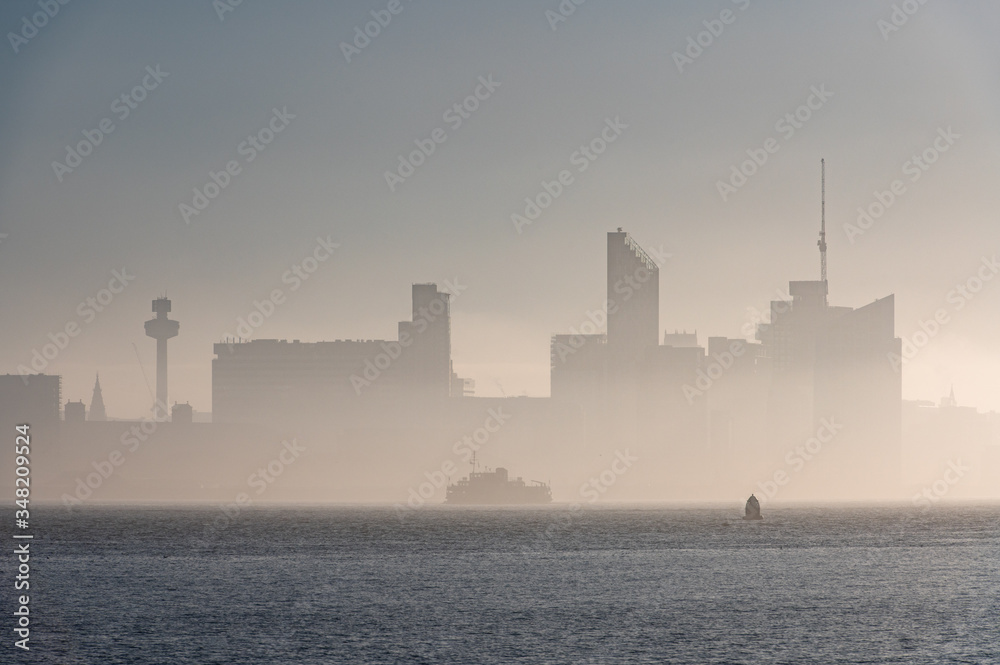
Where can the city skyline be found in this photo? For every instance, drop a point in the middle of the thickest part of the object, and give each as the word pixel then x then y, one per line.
pixel 617 281
pixel 678 130
pixel 385 331
pixel 703 416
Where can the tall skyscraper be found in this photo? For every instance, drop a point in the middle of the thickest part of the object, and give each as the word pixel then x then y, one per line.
pixel 633 297
pixel 601 366
pixel 29 398
pixel 97 411
pixel 426 362
pixel 832 364
pixel 857 383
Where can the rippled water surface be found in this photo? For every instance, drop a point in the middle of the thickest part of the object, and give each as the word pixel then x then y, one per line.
pixel 546 585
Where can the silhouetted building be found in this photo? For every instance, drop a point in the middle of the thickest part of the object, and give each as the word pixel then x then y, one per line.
pixel 671 416
pixel 426 360
pixel 181 413
pixel 161 329
pixel 462 387
pixel 259 380
pixel 30 398
pixel 680 339
pixel 633 297
pixel 789 341
pixel 951 443
pixel 578 368
pixel 264 379
pixel 731 413
pixel 97 411
pixel 75 412
pixel 600 373
pixel 833 363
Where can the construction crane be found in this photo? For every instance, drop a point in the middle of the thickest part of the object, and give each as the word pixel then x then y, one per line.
pixel 143 370
pixel 822 222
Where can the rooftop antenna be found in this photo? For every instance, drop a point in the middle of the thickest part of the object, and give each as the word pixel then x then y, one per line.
pixel 822 222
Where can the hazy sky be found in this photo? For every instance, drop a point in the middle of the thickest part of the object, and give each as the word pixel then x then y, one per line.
pixel 220 81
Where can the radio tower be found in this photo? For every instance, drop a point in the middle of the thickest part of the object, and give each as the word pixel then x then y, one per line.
pixel 822 222
pixel 161 329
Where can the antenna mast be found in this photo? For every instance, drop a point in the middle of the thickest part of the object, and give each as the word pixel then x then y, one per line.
pixel 822 217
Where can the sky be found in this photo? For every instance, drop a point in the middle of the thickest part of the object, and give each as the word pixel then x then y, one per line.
pixel 689 91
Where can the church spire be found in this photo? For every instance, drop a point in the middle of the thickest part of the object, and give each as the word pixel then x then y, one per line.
pixel 950 399
pixel 97 402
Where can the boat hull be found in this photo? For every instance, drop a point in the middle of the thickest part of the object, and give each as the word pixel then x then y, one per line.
pixel 526 496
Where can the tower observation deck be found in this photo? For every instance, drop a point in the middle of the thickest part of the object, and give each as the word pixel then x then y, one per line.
pixel 161 329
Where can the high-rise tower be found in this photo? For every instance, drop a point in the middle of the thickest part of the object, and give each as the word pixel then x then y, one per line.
pixel 633 297
pixel 161 329
pixel 97 411
pixel 427 361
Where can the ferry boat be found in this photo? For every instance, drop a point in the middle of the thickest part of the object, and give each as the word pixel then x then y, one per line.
pixel 495 487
